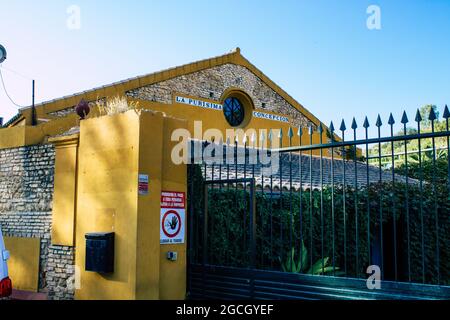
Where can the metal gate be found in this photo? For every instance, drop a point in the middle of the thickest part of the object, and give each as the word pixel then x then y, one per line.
pixel 311 227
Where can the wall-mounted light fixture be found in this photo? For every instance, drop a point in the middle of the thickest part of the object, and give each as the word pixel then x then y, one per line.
pixel 3 54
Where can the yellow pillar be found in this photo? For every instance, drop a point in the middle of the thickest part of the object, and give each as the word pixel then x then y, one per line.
pixel 63 215
pixel 174 178
pixel 107 202
pixel 147 250
pixel 113 152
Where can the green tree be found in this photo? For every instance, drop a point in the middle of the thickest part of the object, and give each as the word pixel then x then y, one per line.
pixel 413 147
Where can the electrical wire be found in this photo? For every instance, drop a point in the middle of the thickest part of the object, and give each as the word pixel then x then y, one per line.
pixel 6 91
pixel 16 73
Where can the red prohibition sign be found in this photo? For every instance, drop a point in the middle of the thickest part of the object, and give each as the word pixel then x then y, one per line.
pixel 164 223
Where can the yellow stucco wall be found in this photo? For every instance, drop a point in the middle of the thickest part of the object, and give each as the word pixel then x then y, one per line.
pixel 64 202
pixel 174 178
pixel 23 264
pixel 214 119
pixel 211 119
pixel 12 137
pixel 107 201
pixel 147 245
pixel 20 136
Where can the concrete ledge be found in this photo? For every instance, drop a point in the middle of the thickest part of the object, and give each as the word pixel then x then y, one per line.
pixel 28 295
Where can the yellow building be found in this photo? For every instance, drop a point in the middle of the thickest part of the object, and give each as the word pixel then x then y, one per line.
pixel 180 92
pixel 64 178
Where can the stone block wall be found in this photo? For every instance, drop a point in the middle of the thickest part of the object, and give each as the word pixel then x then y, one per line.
pixel 26 195
pixel 212 83
pixel 60 275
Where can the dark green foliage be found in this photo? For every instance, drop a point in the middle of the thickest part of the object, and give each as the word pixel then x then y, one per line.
pixel 281 224
pixel 426 145
pixel 301 265
pixel 428 171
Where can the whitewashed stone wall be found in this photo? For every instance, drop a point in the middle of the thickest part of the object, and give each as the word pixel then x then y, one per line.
pixel 63 113
pixel 212 83
pixel 60 275
pixel 26 197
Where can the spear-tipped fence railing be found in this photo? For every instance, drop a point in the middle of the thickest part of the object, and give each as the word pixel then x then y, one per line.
pixel 324 209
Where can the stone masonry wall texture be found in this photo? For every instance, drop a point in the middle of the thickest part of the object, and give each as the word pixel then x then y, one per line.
pixel 216 80
pixel 26 195
pixel 60 275
pixel 72 110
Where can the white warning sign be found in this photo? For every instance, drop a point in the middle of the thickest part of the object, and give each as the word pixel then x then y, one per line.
pixel 173 222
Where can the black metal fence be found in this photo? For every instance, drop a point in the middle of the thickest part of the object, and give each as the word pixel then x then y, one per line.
pixel 325 209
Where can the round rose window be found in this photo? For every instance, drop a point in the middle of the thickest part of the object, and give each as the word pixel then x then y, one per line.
pixel 234 111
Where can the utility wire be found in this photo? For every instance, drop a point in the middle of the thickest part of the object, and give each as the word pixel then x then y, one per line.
pixel 17 73
pixel 6 91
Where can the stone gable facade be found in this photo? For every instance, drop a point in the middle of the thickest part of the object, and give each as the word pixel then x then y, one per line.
pixel 212 83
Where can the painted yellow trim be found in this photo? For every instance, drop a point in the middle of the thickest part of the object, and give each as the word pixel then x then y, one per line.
pixel 64 204
pixel 245 99
pixel 20 136
pixel 138 82
pixel 176 94
pixel 238 93
pixel 232 91
pixel 16 122
pixel 150 146
pixel 173 275
pixel 65 140
pixel 12 137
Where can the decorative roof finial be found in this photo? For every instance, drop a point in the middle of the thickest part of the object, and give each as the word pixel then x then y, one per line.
pixel 83 109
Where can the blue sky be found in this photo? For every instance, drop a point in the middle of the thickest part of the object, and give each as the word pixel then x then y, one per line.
pixel 320 52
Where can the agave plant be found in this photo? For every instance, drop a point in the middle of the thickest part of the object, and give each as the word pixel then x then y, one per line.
pixel 290 265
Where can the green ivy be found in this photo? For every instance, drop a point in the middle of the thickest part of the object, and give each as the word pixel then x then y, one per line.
pixel 282 224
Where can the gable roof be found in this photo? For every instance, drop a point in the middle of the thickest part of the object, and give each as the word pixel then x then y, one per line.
pixel 12 121
pixel 233 57
pixel 292 164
